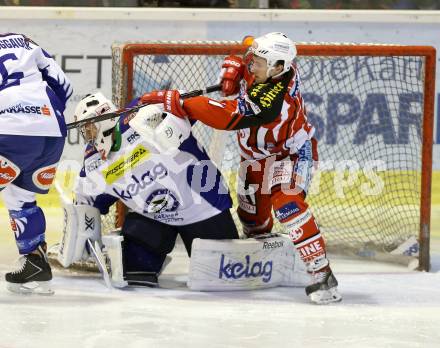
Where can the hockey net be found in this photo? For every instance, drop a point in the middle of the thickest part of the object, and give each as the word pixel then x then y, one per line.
pixel 372 106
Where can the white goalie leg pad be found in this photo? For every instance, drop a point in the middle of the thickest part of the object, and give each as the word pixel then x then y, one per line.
pixel 81 222
pixel 112 243
pixel 113 249
pixel 224 265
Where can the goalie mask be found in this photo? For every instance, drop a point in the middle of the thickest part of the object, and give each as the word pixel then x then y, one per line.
pixel 98 134
pixel 275 48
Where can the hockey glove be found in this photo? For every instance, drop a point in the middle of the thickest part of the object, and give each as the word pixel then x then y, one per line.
pixel 232 73
pixel 171 101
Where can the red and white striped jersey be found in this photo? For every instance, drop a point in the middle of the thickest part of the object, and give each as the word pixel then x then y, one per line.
pixel 270 117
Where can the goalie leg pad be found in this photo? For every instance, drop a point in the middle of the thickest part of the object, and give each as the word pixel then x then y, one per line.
pixel 130 263
pixel 113 247
pixel 81 222
pixel 245 264
pixel 144 250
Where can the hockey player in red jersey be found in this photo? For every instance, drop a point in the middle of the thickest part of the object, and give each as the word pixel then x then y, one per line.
pixel 276 145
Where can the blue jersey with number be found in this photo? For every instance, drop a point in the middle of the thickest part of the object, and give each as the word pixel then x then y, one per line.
pixel 33 89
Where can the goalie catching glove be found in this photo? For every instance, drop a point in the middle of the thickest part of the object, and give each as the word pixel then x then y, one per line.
pixel 162 130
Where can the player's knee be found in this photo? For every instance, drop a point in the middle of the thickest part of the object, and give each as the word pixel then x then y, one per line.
pixel 9 171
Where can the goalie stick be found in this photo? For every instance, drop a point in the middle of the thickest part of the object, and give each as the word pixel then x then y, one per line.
pixel 120 112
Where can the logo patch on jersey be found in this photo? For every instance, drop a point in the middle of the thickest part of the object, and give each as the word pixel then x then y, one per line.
pixel 45 110
pixel 281 173
pixel 27 109
pixel 128 118
pixel 93 165
pixel 247 108
pixel 124 164
pixel 296 234
pixel 245 204
pixel 140 183
pixel 8 172
pixel 286 211
pixel 160 201
pixel 133 137
pixel 265 98
pixel 44 177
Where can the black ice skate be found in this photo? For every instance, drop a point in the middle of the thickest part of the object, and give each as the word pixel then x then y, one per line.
pixel 34 275
pixel 325 289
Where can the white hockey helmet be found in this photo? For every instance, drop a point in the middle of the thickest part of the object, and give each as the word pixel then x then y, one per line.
pixel 274 47
pixel 90 106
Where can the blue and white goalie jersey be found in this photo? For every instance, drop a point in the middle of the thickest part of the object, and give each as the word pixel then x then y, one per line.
pixel 176 190
pixel 33 89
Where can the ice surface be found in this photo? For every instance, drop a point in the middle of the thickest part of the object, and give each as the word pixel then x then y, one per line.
pixel 384 306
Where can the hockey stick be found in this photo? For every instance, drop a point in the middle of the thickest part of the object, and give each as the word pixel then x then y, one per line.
pixel 120 112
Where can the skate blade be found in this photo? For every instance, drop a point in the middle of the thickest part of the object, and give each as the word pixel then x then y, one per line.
pixel 323 297
pixel 30 288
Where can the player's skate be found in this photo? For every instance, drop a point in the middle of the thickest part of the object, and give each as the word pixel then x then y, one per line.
pixel 325 288
pixel 34 275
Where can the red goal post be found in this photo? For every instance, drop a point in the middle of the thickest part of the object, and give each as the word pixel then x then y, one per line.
pixel 373 108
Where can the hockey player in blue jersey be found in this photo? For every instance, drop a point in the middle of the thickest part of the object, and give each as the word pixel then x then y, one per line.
pixel 33 95
pixel 167 193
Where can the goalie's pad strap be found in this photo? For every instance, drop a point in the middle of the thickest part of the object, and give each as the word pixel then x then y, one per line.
pixel 223 265
pixel 81 222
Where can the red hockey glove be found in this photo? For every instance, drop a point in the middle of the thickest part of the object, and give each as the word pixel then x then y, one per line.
pixel 232 73
pixel 170 99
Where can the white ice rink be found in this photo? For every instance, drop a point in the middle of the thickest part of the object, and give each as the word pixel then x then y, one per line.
pixel 384 306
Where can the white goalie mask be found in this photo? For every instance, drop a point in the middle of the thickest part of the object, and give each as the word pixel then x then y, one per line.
pixel 98 134
pixel 274 47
